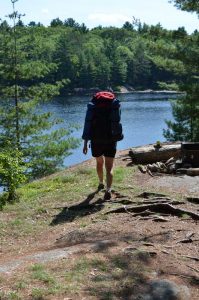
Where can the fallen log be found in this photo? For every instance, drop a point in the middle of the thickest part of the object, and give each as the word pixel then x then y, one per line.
pixel 150 154
pixel 193 171
pixel 160 208
pixel 189 172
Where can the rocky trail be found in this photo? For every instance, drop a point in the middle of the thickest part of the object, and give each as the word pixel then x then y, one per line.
pixel 146 238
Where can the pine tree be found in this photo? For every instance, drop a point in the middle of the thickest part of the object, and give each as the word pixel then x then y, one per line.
pixel 24 129
pixel 188 5
pixel 186 116
pixel 185 126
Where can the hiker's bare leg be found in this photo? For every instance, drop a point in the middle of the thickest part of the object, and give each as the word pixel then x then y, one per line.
pixel 99 167
pixel 109 171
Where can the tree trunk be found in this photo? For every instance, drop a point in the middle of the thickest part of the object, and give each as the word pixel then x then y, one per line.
pixel 150 154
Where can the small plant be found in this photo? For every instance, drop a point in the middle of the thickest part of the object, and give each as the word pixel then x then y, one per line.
pixel 119 175
pixel 21 285
pixel 12 296
pixel 3 199
pixel 12 172
pixel 38 294
pixel 184 216
pixel 40 274
pixel 158 145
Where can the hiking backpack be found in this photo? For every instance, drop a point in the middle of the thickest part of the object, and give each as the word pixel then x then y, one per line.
pixel 102 122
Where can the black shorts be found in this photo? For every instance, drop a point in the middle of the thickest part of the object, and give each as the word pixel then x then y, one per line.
pixel 108 150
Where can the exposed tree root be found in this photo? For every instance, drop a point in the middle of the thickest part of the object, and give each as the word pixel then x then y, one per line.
pixel 190 277
pixel 192 268
pixel 150 194
pixel 191 257
pixel 158 208
pixel 157 200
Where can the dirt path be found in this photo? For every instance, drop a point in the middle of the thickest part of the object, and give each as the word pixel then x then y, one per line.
pixel 155 250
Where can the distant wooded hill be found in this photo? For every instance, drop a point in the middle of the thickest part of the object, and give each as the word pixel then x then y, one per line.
pixel 138 55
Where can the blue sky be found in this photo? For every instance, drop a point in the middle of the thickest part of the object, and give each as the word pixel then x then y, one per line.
pixel 103 12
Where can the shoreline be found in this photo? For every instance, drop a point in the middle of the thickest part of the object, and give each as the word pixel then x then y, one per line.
pixel 149 92
pixel 127 92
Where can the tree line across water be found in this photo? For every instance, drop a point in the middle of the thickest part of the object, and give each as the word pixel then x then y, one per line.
pixel 138 55
pixel 38 63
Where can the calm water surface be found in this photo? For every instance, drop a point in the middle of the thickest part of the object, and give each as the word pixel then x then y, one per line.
pixel 143 120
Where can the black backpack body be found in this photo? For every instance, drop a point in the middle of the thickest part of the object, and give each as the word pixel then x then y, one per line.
pixel 102 123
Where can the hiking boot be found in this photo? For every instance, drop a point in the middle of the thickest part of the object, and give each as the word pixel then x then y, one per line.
pixel 100 186
pixel 107 195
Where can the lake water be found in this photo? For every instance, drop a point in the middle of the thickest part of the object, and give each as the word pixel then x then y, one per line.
pixel 143 119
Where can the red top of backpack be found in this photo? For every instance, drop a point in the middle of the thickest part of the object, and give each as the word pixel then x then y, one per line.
pixel 104 96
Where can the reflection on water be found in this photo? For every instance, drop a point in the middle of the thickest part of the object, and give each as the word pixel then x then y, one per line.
pixel 143 120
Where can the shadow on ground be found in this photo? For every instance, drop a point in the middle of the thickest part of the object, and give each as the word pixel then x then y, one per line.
pixel 128 276
pixel 121 277
pixel 84 208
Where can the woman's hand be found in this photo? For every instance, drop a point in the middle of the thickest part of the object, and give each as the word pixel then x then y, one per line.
pixel 85 148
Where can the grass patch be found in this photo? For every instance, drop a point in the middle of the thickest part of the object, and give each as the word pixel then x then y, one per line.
pixel 3 200
pixel 119 262
pixel 84 171
pixel 33 213
pixel 38 294
pixel 119 278
pixel 100 275
pixel 10 296
pixel 43 293
pixel 185 216
pixel 104 276
pixel 70 178
pixel 21 284
pixel 119 175
pixel 40 274
pixel 78 271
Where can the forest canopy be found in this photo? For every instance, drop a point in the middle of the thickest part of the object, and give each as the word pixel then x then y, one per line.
pixel 138 55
